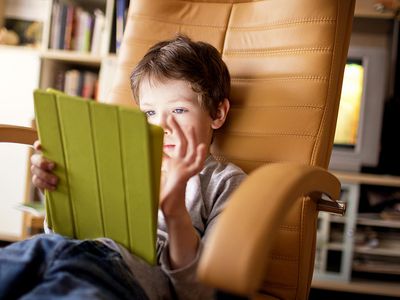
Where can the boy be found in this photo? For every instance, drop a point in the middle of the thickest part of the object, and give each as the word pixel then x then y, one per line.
pixel 182 86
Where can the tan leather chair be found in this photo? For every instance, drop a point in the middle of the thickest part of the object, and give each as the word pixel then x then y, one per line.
pixel 286 59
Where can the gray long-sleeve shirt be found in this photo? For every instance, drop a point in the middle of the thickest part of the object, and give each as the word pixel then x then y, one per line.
pixel 206 194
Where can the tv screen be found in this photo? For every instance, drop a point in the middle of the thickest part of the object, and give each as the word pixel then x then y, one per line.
pixel 347 128
pixel 359 123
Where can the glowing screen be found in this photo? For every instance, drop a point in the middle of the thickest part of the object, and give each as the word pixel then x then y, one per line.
pixel 347 127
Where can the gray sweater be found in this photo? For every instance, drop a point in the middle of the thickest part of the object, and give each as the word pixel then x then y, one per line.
pixel 206 194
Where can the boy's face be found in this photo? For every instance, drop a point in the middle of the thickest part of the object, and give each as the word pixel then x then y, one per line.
pixel 177 99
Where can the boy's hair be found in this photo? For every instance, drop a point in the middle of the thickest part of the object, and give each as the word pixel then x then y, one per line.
pixel 198 63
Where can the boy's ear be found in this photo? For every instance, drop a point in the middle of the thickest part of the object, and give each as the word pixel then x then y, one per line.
pixel 222 112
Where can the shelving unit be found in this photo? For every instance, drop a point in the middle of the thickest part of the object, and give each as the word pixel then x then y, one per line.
pixel 351 255
pixel 52 67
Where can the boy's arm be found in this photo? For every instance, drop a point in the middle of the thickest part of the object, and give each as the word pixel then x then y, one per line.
pixel 187 160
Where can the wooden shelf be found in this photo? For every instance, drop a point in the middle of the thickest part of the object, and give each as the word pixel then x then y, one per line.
pixel 9 238
pixel 362 287
pixel 20 48
pixel 377 251
pixel 32 225
pixel 370 9
pixel 375 220
pixel 380 268
pixel 372 179
pixel 337 219
pixel 335 246
pixel 72 56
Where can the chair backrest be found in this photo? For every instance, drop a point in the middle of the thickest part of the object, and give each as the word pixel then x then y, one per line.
pixel 286 59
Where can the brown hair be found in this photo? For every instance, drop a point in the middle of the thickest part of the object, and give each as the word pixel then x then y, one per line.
pixel 198 63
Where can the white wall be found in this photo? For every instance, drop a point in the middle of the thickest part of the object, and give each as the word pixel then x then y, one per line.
pixel 19 76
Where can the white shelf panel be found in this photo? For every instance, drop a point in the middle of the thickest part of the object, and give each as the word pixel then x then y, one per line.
pixel 376 220
pixel 72 56
pixel 377 251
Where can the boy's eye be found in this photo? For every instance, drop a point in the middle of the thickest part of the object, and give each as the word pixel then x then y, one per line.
pixel 150 113
pixel 179 110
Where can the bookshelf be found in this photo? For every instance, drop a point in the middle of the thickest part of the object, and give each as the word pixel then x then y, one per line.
pixel 364 246
pixel 55 52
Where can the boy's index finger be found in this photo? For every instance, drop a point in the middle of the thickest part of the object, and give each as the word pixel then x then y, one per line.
pixel 37 145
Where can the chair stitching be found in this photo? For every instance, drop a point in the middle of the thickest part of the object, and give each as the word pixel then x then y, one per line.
pixel 144 17
pixel 287 78
pixel 289 228
pixel 329 92
pixel 256 134
pixel 285 107
pixel 264 52
pixel 230 157
pixel 133 41
pixel 285 258
pixel 289 22
pixel 226 29
pixel 276 285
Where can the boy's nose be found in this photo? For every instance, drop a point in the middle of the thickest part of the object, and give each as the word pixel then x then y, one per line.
pixel 162 122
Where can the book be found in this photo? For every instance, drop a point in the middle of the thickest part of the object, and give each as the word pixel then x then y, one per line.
pixel 55 25
pixel 98 32
pixel 109 164
pixel 63 24
pixel 69 27
pixel 120 18
pixel 35 208
pixel 89 84
pixel 71 84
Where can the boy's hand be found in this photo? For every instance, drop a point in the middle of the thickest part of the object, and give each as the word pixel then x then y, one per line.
pixel 41 168
pixel 185 161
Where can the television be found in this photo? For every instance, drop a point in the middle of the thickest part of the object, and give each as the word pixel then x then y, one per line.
pixel 359 123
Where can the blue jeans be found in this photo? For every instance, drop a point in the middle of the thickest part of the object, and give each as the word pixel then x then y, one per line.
pixel 50 266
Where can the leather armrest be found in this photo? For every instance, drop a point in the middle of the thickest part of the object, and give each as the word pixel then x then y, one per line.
pixel 234 258
pixel 17 134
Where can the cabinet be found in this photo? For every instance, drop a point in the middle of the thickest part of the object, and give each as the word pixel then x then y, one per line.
pixel 362 247
pixel 52 47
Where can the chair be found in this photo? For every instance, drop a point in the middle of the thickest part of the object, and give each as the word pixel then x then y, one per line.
pixel 286 59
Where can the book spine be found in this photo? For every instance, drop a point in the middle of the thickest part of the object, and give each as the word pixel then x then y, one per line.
pixel 86 29
pixel 63 22
pixel 68 28
pixel 120 13
pixel 55 26
pixel 98 30
pixel 60 80
pixel 79 89
pixel 89 81
pixel 71 82
pixel 76 41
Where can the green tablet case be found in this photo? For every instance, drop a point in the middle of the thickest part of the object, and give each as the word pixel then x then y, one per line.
pixel 109 162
